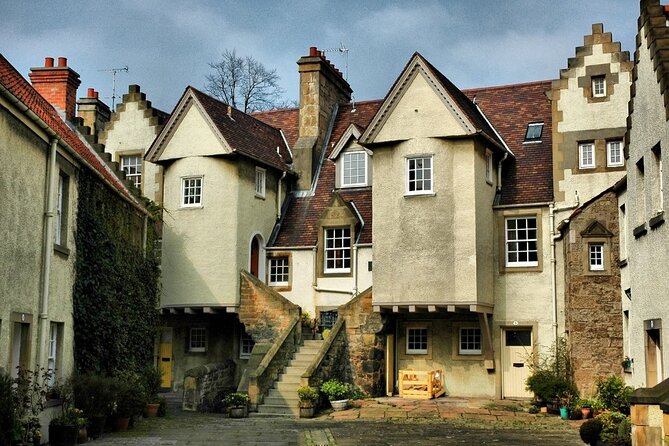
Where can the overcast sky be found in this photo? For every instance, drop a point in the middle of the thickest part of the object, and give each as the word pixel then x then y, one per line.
pixel 167 44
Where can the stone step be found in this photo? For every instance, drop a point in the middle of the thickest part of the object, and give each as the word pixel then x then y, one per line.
pixel 287 394
pixel 279 410
pixel 284 386
pixel 303 363
pixel 291 378
pixel 281 400
pixel 270 415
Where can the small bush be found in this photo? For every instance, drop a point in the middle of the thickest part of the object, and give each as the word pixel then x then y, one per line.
pixel 533 409
pixel 236 399
pixel 335 390
pixel 615 427
pixel 590 431
pixel 307 394
pixel 613 393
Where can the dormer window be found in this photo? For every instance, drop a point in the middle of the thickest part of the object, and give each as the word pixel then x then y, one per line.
pixel 598 87
pixel 534 131
pixel 354 169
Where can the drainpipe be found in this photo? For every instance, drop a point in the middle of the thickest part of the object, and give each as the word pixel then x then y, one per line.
pixel 47 250
pixel 552 210
pixel 278 195
pixel 499 171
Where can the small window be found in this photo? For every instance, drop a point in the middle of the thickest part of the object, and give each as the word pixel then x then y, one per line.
pixel 279 268
pixel 489 168
pixel 417 341
pixel 586 155
pixel 534 131
pixel 198 339
pixel 191 192
pixel 337 250
pixel 614 153
pixel 419 175
pixel 598 87
pixel 53 353
pixel 62 205
pixel 354 169
pixel 132 166
pixel 470 341
pixel 521 242
pixel 260 182
pixel 596 256
pixel 246 344
pixel 328 318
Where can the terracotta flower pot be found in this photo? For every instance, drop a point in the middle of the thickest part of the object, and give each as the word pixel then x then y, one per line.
pixel 122 424
pixel 585 411
pixel 152 409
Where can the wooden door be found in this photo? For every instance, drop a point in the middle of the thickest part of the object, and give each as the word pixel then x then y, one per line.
pixel 255 257
pixel 516 350
pixel 165 358
pixel 653 358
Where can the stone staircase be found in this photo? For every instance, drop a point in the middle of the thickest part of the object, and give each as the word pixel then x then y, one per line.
pixel 282 400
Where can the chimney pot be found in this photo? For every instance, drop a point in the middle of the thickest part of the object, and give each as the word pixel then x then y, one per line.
pixel 48 62
pixel 91 93
pixel 62 61
pixel 313 51
pixel 97 94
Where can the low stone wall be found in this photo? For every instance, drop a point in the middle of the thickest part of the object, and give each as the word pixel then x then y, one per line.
pixel 206 385
pixel 650 415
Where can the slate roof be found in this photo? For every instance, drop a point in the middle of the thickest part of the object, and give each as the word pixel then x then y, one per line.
pixel 20 88
pixel 286 120
pixel 299 226
pixel 527 178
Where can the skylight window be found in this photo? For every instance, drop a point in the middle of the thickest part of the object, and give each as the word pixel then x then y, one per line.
pixel 534 130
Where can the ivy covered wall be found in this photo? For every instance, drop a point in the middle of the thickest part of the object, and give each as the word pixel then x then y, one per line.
pixel 116 285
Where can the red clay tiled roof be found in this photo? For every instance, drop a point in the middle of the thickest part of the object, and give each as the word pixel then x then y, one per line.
pixel 246 135
pixel 300 223
pixel 529 177
pixel 286 120
pixel 24 92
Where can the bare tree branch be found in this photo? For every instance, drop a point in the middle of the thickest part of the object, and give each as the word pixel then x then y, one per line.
pixel 244 83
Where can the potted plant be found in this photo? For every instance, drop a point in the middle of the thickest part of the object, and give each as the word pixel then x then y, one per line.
pixel 337 393
pixel 94 394
pixel 585 405
pixel 152 381
pixel 308 397
pixel 64 429
pixel 627 364
pixel 238 402
pixel 566 399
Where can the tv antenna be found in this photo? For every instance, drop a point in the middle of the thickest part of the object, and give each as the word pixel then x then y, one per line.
pixel 342 50
pixel 113 71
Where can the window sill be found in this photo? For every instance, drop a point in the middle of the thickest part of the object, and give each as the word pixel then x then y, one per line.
pixel 260 197
pixel 187 208
pixel 536 141
pixel 657 220
pixel 426 194
pixel 640 230
pixel 63 250
pixel 279 287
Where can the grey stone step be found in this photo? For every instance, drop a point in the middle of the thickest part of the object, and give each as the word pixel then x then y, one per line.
pixel 281 400
pixel 291 378
pixel 279 410
pixel 270 415
pixel 283 386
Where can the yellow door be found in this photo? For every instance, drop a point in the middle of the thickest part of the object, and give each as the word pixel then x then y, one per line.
pixel 516 349
pixel 165 357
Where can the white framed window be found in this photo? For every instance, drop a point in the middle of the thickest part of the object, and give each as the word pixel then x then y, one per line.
pixel 52 354
pixel 279 269
pixel 534 130
pixel 246 344
pixel 596 256
pixel 260 182
pixel 419 175
pixel 62 203
pixel 198 340
pixel 354 169
pixel 470 341
pixel 614 153
pixel 337 250
pixel 191 192
pixel 586 155
pixel 489 168
pixel 521 242
pixel 132 166
pixel 598 87
pixel 416 341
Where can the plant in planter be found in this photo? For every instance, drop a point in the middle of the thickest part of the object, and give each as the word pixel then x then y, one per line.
pixel 308 398
pixel 551 375
pixel 337 392
pixel 627 364
pixel 95 395
pixel 64 429
pixel 566 401
pixel 613 393
pixel 28 395
pixel 585 406
pixel 238 402
pixel 130 399
pixel 152 380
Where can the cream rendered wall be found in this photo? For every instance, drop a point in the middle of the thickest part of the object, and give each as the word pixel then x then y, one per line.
pixel 648 257
pixel 578 114
pixel 485 227
pixel 200 263
pixel 132 133
pixel 425 245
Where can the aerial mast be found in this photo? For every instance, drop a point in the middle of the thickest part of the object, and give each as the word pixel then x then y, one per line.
pixel 113 71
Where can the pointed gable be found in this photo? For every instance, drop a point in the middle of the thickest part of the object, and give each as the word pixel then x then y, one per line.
pixel 596 229
pixel 218 129
pixel 424 103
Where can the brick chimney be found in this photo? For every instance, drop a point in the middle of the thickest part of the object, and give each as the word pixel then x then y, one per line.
pixel 58 85
pixel 322 87
pixel 93 111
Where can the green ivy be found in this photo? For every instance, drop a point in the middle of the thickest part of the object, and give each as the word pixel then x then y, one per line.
pixel 116 285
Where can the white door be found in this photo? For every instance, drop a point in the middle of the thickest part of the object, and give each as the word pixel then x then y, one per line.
pixel 516 350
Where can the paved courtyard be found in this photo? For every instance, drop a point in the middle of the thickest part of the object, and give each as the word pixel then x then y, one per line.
pixel 384 421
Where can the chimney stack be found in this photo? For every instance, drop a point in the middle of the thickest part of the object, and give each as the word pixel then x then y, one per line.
pixel 93 111
pixel 322 88
pixel 58 85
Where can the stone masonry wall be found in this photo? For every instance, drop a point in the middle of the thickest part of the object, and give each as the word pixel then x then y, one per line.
pixel 593 309
pixel 264 312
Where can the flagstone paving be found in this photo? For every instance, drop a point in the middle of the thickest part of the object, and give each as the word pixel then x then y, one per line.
pixel 380 421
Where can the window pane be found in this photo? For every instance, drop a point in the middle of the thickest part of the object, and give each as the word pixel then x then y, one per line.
pixel 521 241
pixel 354 169
pixel 470 341
pixel 419 174
pixel 132 166
pixel 518 338
pixel 338 250
pixel 417 340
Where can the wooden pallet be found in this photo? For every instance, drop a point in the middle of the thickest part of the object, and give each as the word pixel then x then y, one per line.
pixel 424 385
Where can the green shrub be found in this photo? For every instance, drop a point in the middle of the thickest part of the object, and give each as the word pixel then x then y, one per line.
pixel 335 390
pixel 7 420
pixel 590 431
pixel 613 393
pixel 153 379
pixel 94 394
pixel 236 399
pixel 615 427
pixel 307 394
pixel 551 375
